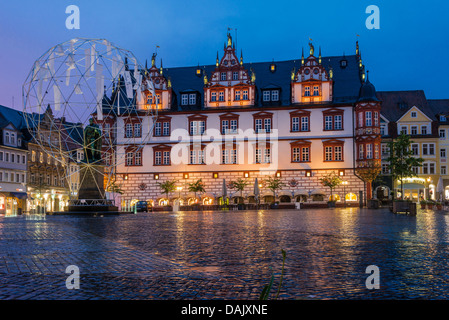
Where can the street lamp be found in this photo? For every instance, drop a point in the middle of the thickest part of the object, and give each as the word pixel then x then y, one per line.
pixel 428 187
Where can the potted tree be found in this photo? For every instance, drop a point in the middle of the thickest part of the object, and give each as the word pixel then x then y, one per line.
pixel 423 204
pixel 274 184
pixel 439 206
pixel 167 187
pixel 402 161
pixel 331 180
pixel 239 185
pixel 197 186
pixel 369 173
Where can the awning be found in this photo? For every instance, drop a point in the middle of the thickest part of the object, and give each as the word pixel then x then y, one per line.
pixel 412 186
pixel 18 195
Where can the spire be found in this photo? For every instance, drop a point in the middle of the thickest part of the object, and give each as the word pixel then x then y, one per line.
pixel 357 51
pixel 241 57
pixel 216 63
pixel 161 67
pixel 302 56
pixel 146 64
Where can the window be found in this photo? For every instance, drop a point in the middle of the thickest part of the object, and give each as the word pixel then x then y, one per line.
pixel 369 151
pixel 443 118
pixel 267 155
pixel 316 90
pixel 304 123
pixel 376 119
pixel 415 149
pixel 197 127
pixel 184 99
pixel 258 155
pixel 333 151
pixel 137 130
pixel 13 138
pixel 423 129
pixel 221 96
pixel 223 76
pixel 414 114
pixel 24 159
pixel 13 157
pixel 368 119
pixel 296 154
pixel 129 130
pixel 266 95
pixel 333 120
pixel 245 94
pixel 129 159
pixel 166 128
pixel 166 160
pixel 7 137
pixel 428 149
pixel 157 129
pixel 305 154
pixel 443 153
pixel 275 95
pixel 213 96
pixel 443 170
pixel 383 130
pixel 428 168
pixel 33 156
pixel 403 130
pixel 192 99
pixel 414 130
pixel 237 95
pixel 307 91
pixel 338 122
pixel 138 158
pixel 225 156
pixel 235 75
pixel 295 124
pixel 267 124
pixel 158 158
pixel 361 152
pixel 442 134
pixel 385 150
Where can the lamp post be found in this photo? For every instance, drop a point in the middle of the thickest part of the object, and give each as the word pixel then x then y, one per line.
pixel 428 187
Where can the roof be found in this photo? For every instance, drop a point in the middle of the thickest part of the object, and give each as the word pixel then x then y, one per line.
pixel 396 103
pixel 439 106
pixel 345 89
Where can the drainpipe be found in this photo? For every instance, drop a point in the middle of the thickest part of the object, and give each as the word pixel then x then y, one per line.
pixel 354 153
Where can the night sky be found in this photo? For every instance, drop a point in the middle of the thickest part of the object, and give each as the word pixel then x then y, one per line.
pixel 408 52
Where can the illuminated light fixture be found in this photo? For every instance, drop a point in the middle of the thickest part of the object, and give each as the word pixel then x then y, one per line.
pixel 272 67
pixel 198 71
pixel 186 176
pixel 125 177
pixel 341 172
pixel 156 176
pixel 308 173
pixel 278 174
pixel 246 174
pixel 215 175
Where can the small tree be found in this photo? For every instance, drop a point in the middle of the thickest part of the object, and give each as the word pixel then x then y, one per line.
pixel 167 186
pixel 332 180
pixel 401 159
pixel 239 185
pixel 274 184
pixel 369 173
pixel 197 186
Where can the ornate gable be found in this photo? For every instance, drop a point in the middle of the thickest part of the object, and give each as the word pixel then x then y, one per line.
pixel 311 83
pixel 230 83
pixel 162 87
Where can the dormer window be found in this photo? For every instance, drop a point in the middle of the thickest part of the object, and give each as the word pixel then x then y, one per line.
pixel 343 63
pixel 271 95
pixel 235 75
pixel 192 99
pixel 223 76
pixel 443 118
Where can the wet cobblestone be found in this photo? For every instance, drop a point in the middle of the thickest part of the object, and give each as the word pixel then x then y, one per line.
pixel 226 255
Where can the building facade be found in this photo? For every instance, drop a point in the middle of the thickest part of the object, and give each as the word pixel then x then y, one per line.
pixel 297 120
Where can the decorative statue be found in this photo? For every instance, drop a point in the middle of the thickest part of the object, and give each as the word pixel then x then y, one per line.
pixel 153 60
pixel 312 49
pixel 92 142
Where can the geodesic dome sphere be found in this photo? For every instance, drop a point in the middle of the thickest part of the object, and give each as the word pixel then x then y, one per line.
pixel 87 83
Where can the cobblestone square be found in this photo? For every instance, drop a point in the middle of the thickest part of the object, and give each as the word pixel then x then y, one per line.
pixel 227 255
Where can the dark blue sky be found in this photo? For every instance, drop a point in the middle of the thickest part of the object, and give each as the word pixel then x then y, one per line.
pixel 409 52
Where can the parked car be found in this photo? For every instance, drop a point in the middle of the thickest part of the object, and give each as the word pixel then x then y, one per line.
pixel 141 206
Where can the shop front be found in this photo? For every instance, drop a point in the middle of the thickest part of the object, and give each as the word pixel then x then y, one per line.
pixel 12 203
